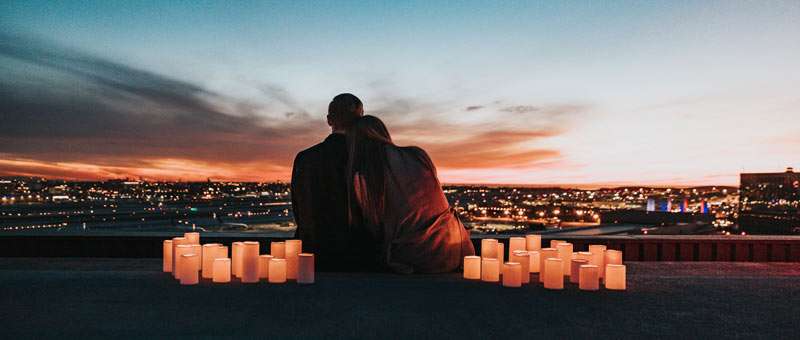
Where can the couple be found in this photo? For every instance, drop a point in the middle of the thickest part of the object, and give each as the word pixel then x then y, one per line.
pixel 363 203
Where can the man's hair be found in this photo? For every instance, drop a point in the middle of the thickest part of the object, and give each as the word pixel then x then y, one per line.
pixel 344 109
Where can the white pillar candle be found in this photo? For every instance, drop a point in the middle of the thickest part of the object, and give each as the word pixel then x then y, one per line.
pixel 565 254
pixel 277 270
pixel 236 259
pixel 167 256
pixel 222 252
pixel 615 277
pixel 554 243
pixel 544 254
pixel 176 241
pixel 209 254
pixel 574 275
pixel 472 267
pixel 305 268
pixel 263 266
pixel 589 279
pixel 490 270
pixel 516 243
pixel 277 250
pixel 292 249
pixel 533 242
pixel 524 260
pixel 188 275
pixel 198 250
pixel 512 274
pixel 598 258
pixel 553 275
pixel 181 250
pixel 222 270
pixel 194 238
pixel 584 255
pixel 534 261
pixel 501 252
pixel 613 256
pixel 250 262
pixel 489 248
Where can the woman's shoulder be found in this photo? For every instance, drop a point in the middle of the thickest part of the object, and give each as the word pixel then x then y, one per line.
pixel 416 153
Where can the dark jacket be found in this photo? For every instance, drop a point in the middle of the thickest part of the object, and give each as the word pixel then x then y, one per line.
pixel 320 207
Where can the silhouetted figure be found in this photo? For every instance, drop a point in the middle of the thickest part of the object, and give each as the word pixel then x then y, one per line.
pixel 320 196
pixel 400 201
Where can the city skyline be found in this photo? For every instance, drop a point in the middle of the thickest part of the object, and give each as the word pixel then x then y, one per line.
pixel 569 94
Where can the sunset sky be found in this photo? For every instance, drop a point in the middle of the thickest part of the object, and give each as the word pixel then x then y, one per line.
pixel 552 92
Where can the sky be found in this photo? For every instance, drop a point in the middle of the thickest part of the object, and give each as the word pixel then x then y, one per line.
pixel 585 93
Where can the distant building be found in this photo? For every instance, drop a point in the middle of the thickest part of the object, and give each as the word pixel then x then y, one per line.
pixel 769 203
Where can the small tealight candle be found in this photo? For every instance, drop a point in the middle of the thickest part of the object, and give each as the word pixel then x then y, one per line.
pixel 167 256
pixel 589 279
pixel 598 257
pixel 277 250
pixel 472 267
pixel 189 276
pixel 292 249
pixel 512 274
pixel 193 238
pixel 209 254
pixel 489 248
pixel 565 254
pixel 263 266
pixel 544 254
pixel 553 275
pixel 574 276
pixel 277 270
pixel 534 261
pixel 516 243
pixel 533 242
pixel 222 270
pixel 490 270
pixel 524 260
pixel 236 259
pixel 250 262
pixel 305 268
pixel 615 277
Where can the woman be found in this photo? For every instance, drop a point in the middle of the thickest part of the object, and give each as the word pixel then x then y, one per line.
pixel 400 200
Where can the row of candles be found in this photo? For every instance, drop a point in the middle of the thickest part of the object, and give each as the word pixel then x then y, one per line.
pixel 553 264
pixel 187 260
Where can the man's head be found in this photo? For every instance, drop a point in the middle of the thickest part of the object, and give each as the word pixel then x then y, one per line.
pixel 343 111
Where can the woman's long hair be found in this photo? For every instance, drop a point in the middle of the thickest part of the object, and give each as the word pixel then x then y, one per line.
pixel 366 141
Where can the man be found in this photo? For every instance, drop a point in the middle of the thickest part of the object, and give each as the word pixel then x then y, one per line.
pixel 320 196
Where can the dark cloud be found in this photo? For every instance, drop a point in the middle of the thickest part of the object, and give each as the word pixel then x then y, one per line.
pixel 520 109
pixel 473 108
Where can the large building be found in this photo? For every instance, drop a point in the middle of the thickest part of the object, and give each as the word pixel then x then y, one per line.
pixel 769 203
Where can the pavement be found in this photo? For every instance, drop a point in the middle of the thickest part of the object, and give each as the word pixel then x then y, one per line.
pixel 131 298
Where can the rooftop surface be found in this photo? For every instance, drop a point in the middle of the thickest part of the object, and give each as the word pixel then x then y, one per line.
pixel 72 297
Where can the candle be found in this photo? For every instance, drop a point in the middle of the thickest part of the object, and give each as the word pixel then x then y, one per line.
pixel 188 275
pixel 554 243
pixel 565 254
pixel 553 275
pixel 181 250
pixel 501 253
pixel 524 260
pixel 574 276
pixel 305 268
pixel 277 270
pixel 277 250
pixel 584 255
pixel 490 270
pixel 292 248
pixel 176 241
pixel 193 238
pixel 222 252
pixel 489 248
pixel 263 266
pixel 615 277
pixel 222 270
pixel 197 250
pixel 236 259
pixel 598 257
pixel 472 267
pixel 589 279
pixel 249 269
pixel 534 242
pixel 613 257
pixel 209 255
pixel 167 256
pixel 516 243
pixel 534 261
pixel 512 273
pixel 544 254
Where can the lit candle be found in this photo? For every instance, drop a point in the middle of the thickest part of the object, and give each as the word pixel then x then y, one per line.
pixel 490 270
pixel 167 256
pixel 305 268
pixel 277 270
pixel 263 266
pixel 512 273
pixel 188 275
pixel 176 241
pixel 524 260
pixel 534 261
pixel 194 238
pixel 553 274
pixel 584 255
pixel 181 250
pixel 489 248
pixel 209 254
pixel 516 243
pixel 277 250
pixel 554 243
pixel 615 277
pixel 589 279
pixel 598 257
pixel 574 275
pixel 292 249
pixel 472 267
pixel 197 250
pixel 250 262
pixel 544 254
pixel 613 256
pixel 565 254
pixel 501 253
pixel 222 252
pixel 534 242
pixel 236 259
pixel 222 270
